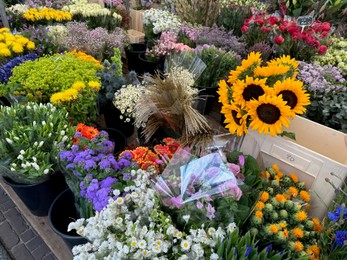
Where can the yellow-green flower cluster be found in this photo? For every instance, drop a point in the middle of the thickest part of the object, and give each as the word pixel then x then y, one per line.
pixel 47 14
pixel 249 3
pixel 79 100
pixel 13 44
pixel 336 55
pixel 82 7
pixel 280 215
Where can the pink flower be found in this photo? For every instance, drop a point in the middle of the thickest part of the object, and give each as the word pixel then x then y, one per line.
pixel 279 40
pixel 211 210
pixel 199 205
pixel 234 168
pixel 322 49
pixel 177 202
pixel 244 28
pixel 241 160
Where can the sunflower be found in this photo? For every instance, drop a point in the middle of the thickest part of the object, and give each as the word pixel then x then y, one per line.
pixel 247 66
pixel 271 71
pixel 287 61
pixel 293 93
pixel 224 92
pixel 269 114
pixel 235 118
pixel 251 88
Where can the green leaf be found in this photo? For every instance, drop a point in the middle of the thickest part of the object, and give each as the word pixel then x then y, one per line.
pixel 288 134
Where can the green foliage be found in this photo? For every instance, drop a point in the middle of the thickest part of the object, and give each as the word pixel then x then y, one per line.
pixel 297 8
pixel 117 60
pixel 37 80
pixel 218 65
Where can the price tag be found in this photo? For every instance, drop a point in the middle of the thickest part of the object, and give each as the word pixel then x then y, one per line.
pixel 305 20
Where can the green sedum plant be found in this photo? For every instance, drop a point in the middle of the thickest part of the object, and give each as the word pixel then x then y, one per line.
pixel 38 80
pixel 29 137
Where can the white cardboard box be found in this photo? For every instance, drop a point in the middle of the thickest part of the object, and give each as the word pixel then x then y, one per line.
pixel 317 152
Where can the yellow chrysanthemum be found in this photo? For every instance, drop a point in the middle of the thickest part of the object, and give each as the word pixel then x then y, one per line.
pixel 5 29
pixel 269 114
pixel 294 177
pixel 293 191
pixel 298 246
pixel 293 93
pixel 5 52
pixel 258 214
pixel 57 98
pixel 17 48
pixel 247 66
pixel 30 45
pixel 301 215
pixel 78 85
pixel 264 196
pixel 234 118
pixel 94 85
pixel 70 94
pixel 305 196
pixel 260 205
pixel 249 89
pixel 298 232
pixel 288 61
pixel 224 92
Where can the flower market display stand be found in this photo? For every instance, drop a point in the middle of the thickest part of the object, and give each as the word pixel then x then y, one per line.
pixel 136 36
pixel 40 225
pixel 317 156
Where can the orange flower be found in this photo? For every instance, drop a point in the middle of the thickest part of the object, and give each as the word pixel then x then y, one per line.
pixel 315 249
pixel 317 225
pixel 286 196
pixel 267 175
pixel 294 177
pixel 280 174
pixel 298 246
pixel 286 233
pixel 293 191
pixel 260 205
pixel 258 214
pixel 146 164
pixel 80 127
pixel 89 132
pixel 273 228
pixel 264 196
pixel 139 153
pixel 301 215
pixel 277 178
pixel 283 224
pixel 280 198
pixel 298 233
pixel 275 167
pixel 161 149
pixel 305 196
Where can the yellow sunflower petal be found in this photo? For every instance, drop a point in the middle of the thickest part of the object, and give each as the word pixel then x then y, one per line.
pixel 235 118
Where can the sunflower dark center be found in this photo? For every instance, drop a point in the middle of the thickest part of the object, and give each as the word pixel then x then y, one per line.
pixel 236 119
pixel 252 91
pixel 268 113
pixel 290 97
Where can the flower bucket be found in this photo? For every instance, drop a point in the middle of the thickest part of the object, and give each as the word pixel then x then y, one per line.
pixel 38 197
pixel 132 55
pixel 60 214
pixel 206 99
pixel 150 66
pixel 117 137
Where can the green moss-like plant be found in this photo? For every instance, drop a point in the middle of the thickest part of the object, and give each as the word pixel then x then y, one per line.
pixel 38 80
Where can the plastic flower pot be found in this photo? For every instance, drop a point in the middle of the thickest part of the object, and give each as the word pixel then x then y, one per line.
pixel 60 214
pixel 38 197
pixel 206 100
pixel 132 54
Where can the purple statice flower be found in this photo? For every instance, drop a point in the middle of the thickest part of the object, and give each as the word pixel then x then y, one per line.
pixel 6 69
pixel 335 216
pixel 341 238
pixel 324 79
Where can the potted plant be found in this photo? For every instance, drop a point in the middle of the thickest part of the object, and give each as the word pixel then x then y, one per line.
pixel 28 145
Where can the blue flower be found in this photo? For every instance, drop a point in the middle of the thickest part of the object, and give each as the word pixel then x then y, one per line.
pixel 89 164
pixel 335 216
pixel 341 238
pixel 268 248
pixel 248 250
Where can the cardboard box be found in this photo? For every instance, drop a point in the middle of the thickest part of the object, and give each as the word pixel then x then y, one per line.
pixel 136 36
pixel 317 152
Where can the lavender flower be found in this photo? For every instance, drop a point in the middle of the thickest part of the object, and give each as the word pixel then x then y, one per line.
pixel 6 69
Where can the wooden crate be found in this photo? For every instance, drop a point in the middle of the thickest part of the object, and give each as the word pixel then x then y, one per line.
pixel 136 36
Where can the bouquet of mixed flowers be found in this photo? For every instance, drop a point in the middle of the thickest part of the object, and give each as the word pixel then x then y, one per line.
pixel 287 36
pixel 91 169
pixel 262 97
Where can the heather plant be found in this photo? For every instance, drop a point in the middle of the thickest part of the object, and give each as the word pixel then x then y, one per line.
pixel 263 48
pixel 37 80
pixel 97 42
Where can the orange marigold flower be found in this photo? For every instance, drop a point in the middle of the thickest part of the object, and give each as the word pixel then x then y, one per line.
pixel 305 196
pixel 298 246
pixel 258 214
pixel 301 215
pixel 293 191
pixel 273 228
pixel 260 205
pixel 315 249
pixel 264 196
pixel 317 225
pixel 298 232
pixel 280 198
pixel 294 177
pixel 285 233
pixel 280 174
pixel 275 167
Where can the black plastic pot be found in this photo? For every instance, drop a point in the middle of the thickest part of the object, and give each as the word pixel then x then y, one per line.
pixel 61 213
pixel 151 67
pixel 112 120
pixel 38 197
pixel 132 54
pixel 117 137
pixel 206 100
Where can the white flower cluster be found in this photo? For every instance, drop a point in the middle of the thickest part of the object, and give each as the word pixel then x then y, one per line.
pixel 249 3
pixel 118 17
pixel 18 8
pixel 82 7
pixel 126 98
pixel 134 227
pixel 57 31
pixel 183 77
pixel 161 20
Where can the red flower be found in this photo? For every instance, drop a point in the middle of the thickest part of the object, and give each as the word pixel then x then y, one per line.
pixel 244 28
pixel 259 22
pixel 278 40
pixel 291 29
pixel 326 27
pixel 246 22
pixel 272 20
pixel 324 34
pixel 322 49
pixel 265 29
